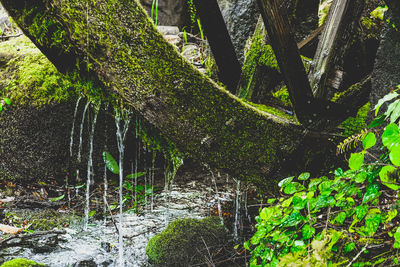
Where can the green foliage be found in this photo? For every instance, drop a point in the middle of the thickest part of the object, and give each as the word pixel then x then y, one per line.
pixel 379 12
pixel 154 12
pixel 325 221
pixel 20 262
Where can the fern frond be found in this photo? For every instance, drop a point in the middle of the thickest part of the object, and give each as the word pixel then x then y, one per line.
pixel 352 141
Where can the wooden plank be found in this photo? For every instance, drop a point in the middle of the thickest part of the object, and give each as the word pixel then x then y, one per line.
pixel 220 42
pixel 288 57
pixel 326 72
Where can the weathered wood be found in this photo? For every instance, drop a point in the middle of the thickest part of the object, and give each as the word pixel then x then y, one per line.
pixel 326 72
pixel 220 42
pixel 287 54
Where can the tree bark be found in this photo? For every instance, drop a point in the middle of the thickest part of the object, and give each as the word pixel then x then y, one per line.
pixel 131 59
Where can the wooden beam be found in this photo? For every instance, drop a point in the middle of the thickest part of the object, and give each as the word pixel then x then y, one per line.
pixel 288 57
pixel 220 42
pixel 326 72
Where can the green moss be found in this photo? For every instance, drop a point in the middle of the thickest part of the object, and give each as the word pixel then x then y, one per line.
pixel 355 124
pixel 184 241
pixel 274 111
pixel 30 78
pixel 283 96
pixel 20 262
pixel 258 54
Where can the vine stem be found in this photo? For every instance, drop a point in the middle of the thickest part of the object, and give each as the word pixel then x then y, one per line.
pixel 358 254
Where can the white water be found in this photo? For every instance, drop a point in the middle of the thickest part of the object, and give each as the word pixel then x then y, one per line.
pixel 121 135
pixel 81 138
pixel 90 165
pixel 216 194
pixel 237 211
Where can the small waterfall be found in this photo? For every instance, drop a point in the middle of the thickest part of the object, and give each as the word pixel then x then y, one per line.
pixel 90 165
pixel 105 188
pixel 71 143
pixel 216 194
pixel 237 211
pixel 81 139
pixel 121 135
pixel 153 162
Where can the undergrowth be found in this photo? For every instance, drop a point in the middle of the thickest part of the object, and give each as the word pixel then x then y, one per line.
pixel 346 218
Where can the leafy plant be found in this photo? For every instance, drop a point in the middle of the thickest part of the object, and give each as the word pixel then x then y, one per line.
pixel 332 220
pixel 154 11
pixel 135 193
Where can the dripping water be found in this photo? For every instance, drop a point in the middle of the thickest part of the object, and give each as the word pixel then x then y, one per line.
pixel 237 211
pixel 121 135
pixel 90 165
pixel 216 194
pixel 153 161
pixel 71 143
pixel 81 139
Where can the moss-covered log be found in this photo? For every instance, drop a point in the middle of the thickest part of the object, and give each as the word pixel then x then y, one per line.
pixel 116 43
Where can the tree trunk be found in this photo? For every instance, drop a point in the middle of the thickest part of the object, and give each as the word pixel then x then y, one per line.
pixel 130 58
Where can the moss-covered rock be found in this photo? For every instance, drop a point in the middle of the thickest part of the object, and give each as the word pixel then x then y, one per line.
pixel 20 262
pixel 185 242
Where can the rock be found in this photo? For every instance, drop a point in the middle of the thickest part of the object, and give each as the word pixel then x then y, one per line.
pixel 89 262
pixel 185 242
pixel 170 12
pixel 20 262
pixel 173 39
pixel 168 30
pixel 241 18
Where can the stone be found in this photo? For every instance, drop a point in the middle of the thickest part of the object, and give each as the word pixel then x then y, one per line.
pixel 168 30
pixel 170 12
pixel 184 241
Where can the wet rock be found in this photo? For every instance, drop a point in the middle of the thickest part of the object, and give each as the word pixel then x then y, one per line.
pixel 89 262
pixel 185 242
pixel 168 30
pixel 386 73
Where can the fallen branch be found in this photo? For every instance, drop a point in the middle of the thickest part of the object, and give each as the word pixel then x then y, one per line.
pixel 6 37
pixel 27 239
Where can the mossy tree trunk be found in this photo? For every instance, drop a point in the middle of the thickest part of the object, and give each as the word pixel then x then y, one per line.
pixel 115 43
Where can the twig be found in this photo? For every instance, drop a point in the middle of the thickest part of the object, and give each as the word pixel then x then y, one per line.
pixel 112 217
pixel 326 223
pixel 358 254
pixel 10 36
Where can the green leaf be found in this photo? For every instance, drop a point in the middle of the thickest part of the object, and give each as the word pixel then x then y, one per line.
pixel 298 203
pixel 349 247
pixel 338 172
pixel 110 162
pixel 377 121
pixel 1 107
pixel 391 136
pixel 57 198
pixel 294 219
pixel 371 193
pixel 369 140
pixel 386 98
pixel 7 101
pixel 372 223
pixel 312 186
pixel 285 181
pixel 386 179
pixel 135 175
pixel 340 218
pixel 290 189
pixel 356 161
pixel 304 176
pixel 93 212
pixel 307 231
pixel 246 245
pixel 394 155
pixel 258 236
pixel 360 177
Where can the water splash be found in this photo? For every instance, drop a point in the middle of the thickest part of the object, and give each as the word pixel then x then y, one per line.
pixel 121 135
pixel 153 163
pixel 90 164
